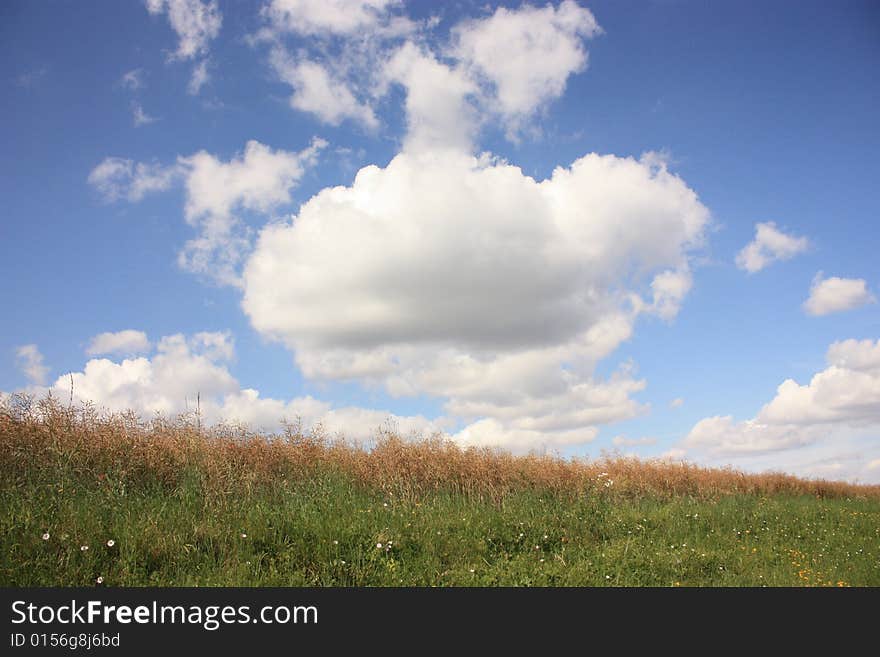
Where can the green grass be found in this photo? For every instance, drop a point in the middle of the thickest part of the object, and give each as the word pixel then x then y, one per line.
pixel 323 530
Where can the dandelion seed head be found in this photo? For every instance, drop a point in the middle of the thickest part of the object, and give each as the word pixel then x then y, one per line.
pixel 46 536
pixel 111 543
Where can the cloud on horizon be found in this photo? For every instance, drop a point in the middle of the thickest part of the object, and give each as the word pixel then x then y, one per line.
pixel 168 379
pixel 841 400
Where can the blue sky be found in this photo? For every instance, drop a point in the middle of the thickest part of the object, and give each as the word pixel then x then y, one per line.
pixel 157 155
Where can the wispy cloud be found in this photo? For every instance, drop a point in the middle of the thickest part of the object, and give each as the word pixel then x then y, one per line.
pixel 30 362
pixel 117 178
pixel 133 80
pixel 32 78
pixel 199 78
pixel 196 23
pixel 140 117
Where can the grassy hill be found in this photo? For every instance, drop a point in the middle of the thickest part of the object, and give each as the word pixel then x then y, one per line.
pixel 84 497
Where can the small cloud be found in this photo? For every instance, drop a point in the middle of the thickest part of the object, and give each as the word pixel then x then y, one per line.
pixel 317 91
pixel 30 362
pixel 525 56
pixel 125 342
pixel 140 117
pixel 674 454
pixel 133 80
pixel 873 465
pixel 834 295
pixel 678 402
pixel 770 244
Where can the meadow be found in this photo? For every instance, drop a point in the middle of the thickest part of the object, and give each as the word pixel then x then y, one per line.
pixel 109 500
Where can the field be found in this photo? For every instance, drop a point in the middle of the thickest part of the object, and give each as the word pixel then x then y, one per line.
pixel 109 500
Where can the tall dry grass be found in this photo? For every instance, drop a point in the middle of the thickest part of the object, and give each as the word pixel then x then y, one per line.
pixel 41 436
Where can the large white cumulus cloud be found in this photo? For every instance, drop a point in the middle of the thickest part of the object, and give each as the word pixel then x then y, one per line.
pixel 443 273
pixel 451 249
pixel 461 277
